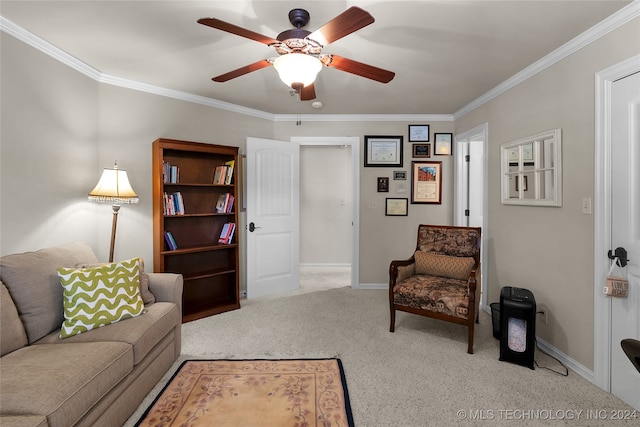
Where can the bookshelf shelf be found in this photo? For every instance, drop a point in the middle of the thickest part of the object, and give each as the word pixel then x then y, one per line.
pixel 184 213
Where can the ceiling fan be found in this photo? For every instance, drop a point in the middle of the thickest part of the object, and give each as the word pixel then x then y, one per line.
pixel 300 50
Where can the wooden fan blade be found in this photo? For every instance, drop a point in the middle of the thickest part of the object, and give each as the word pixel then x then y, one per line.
pixel 358 68
pixel 242 71
pixel 342 25
pixel 239 31
pixel 308 93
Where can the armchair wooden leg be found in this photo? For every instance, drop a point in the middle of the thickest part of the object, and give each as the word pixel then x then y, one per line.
pixel 470 348
pixel 393 320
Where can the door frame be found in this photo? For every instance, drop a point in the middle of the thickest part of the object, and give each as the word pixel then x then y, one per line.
pixel 458 185
pixel 602 217
pixel 354 143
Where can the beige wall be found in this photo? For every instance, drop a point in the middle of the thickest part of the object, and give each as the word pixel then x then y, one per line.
pixel 326 205
pixel 383 238
pixel 550 250
pixel 48 152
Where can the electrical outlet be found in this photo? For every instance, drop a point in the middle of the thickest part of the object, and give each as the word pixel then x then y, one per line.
pixel 542 314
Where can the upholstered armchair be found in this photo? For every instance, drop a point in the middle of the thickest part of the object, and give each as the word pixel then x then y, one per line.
pixel 441 279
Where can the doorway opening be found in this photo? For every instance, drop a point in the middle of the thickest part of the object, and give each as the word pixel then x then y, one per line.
pixel 329 201
pixel 470 184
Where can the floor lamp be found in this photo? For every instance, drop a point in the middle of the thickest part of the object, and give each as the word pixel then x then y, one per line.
pixel 113 188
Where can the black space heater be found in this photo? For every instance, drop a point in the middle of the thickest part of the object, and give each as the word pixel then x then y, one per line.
pixel 517 326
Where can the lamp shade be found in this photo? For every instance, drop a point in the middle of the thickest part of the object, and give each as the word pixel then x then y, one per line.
pixel 297 68
pixel 113 188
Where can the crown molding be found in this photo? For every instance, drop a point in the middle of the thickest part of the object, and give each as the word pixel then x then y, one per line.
pixel 607 25
pixel 616 20
pixel 364 117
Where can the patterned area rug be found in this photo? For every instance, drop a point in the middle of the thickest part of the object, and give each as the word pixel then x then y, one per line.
pixel 248 393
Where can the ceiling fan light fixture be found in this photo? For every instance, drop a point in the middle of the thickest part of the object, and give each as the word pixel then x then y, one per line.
pixel 297 68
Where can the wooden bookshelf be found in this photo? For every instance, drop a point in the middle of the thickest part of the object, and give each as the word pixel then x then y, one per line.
pixel 210 269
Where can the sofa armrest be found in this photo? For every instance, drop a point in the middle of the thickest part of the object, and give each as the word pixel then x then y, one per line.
pixel 167 287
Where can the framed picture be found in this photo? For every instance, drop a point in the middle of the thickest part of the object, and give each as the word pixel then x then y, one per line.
pixel 418 133
pixel 400 175
pixel 396 207
pixel 421 150
pixel 383 184
pixel 442 143
pixel 426 182
pixel 382 151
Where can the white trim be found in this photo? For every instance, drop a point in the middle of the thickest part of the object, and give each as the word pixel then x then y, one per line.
pixel 482 129
pixel 607 25
pixel 602 217
pixel 616 20
pixel 364 117
pixel 570 363
pixel 354 143
pixel 373 286
pixel 323 265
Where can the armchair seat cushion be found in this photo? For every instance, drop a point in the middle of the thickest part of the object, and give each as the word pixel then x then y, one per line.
pixel 435 294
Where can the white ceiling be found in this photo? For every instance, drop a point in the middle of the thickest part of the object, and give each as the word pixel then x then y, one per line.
pixel 445 53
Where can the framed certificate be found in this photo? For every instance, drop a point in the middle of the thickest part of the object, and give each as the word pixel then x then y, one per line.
pixel 396 207
pixel 418 133
pixel 426 182
pixel 382 151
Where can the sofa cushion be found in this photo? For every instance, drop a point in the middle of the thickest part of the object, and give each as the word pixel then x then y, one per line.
pixel 452 267
pixel 61 381
pixel 98 296
pixel 142 332
pixel 147 296
pixel 33 283
pixel 12 334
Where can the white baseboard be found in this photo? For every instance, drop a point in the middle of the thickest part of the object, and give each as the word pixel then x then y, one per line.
pixel 569 362
pixel 372 286
pixel 311 264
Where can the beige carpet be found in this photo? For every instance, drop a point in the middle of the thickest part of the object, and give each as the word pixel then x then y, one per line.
pixel 231 393
pixel 421 375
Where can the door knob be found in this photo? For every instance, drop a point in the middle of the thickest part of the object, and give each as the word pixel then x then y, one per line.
pixel 252 227
pixel 621 254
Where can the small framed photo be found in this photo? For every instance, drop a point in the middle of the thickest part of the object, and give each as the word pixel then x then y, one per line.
pixel 383 184
pixel 426 182
pixel 382 151
pixel 442 143
pixel 396 207
pixel 421 150
pixel 400 175
pixel 418 133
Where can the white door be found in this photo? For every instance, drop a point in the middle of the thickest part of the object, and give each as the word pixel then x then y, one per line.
pixel 272 217
pixel 625 230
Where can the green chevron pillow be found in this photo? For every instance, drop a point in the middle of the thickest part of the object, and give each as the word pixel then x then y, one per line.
pixel 97 296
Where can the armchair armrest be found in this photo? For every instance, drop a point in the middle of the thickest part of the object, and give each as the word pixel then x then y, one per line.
pixel 167 287
pixel 399 270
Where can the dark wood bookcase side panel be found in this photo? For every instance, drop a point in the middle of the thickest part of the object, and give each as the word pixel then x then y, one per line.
pixel 210 269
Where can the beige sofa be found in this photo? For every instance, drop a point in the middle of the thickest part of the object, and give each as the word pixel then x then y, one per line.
pixel 96 378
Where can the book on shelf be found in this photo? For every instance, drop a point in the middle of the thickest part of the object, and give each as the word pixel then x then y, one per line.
pixel 229 175
pixel 171 242
pixel 226 235
pixel 225 203
pixel 223 174
pixel 170 173
pixel 220 175
pixel 173 204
